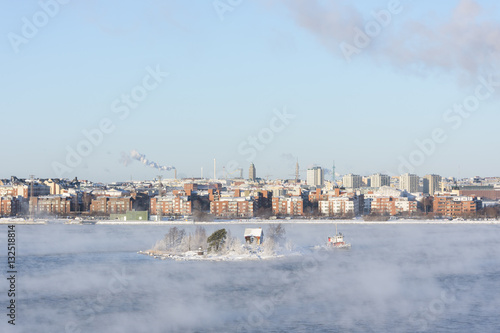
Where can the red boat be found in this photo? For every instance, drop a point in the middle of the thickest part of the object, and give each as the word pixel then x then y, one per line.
pixel 337 241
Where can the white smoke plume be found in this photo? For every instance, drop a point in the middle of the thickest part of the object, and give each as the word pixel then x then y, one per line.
pixel 135 155
pixel 466 42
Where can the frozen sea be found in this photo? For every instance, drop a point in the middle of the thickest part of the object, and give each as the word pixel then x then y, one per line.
pixel 395 278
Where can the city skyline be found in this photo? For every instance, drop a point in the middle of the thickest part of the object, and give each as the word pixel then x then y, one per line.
pixel 431 196
pixel 315 176
pixel 110 91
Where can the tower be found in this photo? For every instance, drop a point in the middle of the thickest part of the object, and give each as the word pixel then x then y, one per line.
pixel 333 173
pixel 252 173
pixel 297 171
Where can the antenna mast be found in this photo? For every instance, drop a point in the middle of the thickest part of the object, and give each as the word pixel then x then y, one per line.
pixel 30 196
pixel 297 171
pixel 333 173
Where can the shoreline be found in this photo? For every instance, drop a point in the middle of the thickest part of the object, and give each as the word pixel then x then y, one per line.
pixel 302 222
pixel 246 222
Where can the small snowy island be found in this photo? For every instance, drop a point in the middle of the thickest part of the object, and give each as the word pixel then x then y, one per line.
pixel 221 245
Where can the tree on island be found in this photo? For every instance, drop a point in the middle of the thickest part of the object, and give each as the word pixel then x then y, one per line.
pixel 174 238
pixel 276 233
pixel 216 240
pixel 177 240
pixel 198 240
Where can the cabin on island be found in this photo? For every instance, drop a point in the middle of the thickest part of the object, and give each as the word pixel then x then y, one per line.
pixel 254 235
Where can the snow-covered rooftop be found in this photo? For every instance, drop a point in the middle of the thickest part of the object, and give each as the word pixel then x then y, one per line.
pixel 253 232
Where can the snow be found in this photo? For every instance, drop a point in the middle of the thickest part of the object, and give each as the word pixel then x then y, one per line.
pixel 253 232
pixel 229 256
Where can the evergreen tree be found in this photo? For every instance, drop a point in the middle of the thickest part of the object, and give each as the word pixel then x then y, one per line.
pixel 216 240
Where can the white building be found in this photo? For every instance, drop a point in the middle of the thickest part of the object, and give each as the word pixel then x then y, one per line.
pixel 403 204
pixel 352 181
pixel 339 206
pixel 432 184
pixel 409 182
pixel 378 180
pixel 315 177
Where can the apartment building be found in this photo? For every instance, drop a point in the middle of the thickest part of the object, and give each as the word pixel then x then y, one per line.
pixel 171 205
pixel 378 180
pixel 24 190
pixel 315 177
pixel 234 207
pixel 352 181
pixel 455 205
pixel 9 206
pixel 431 184
pixel 392 206
pixel 111 205
pixel 339 206
pixel 291 206
pixel 409 182
pixel 52 204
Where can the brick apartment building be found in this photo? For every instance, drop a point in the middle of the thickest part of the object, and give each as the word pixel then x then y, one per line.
pixel 455 205
pixel 9 206
pixel 234 207
pixel 213 194
pixel 291 206
pixel 392 206
pixel 110 205
pixel 24 190
pixel 170 205
pixel 51 205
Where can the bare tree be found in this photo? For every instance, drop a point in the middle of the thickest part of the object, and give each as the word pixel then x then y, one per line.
pixel 276 233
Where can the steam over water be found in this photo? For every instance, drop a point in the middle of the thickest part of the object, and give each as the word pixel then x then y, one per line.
pixel 395 278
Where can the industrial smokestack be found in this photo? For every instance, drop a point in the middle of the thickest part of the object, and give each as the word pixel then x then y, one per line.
pixel 175 173
pixel 134 154
pixel 215 170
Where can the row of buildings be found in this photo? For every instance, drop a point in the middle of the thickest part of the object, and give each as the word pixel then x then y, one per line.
pixel 408 182
pixel 354 195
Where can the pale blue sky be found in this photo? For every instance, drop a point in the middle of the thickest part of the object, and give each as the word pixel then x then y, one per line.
pixel 226 78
